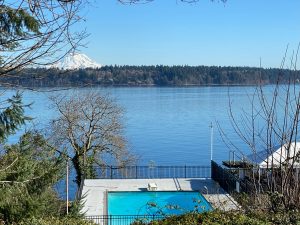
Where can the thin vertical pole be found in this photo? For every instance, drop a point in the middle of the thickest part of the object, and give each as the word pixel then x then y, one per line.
pixel 211 140
pixel 111 173
pixel 136 173
pixel 233 157
pixel 84 164
pixel 67 186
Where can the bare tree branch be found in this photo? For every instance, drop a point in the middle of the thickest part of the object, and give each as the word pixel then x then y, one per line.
pixel 37 32
pixel 89 126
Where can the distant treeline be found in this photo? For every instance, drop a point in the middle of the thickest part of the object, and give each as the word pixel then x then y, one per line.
pixel 150 76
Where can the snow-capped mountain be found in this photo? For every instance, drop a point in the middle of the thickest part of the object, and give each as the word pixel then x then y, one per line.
pixel 75 61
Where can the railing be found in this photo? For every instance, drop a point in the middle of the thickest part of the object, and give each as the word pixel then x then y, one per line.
pixel 229 179
pixel 150 172
pixel 122 219
pixel 247 186
pixel 224 177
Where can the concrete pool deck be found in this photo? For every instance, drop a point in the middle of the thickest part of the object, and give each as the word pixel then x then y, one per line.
pixel 95 190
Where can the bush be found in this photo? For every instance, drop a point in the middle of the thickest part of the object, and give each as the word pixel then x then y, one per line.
pixel 29 170
pixel 209 218
pixel 55 221
pixel 230 218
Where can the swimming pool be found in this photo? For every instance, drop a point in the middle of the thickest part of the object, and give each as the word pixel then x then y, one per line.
pixel 156 202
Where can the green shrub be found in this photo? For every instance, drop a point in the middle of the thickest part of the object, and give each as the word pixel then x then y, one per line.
pixel 209 218
pixel 55 221
pixel 230 218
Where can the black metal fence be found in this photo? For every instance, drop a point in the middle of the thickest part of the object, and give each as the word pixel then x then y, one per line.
pixel 225 178
pixel 228 180
pixel 122 219
pixel 149 172
pixel 247 186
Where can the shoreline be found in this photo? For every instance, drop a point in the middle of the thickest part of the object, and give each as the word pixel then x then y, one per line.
pixel 34 88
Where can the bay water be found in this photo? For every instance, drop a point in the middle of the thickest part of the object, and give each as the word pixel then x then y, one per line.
pixel 164 125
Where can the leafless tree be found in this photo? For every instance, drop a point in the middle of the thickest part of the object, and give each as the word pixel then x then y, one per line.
pixel 89 128
pixel 272 121
pixel 33 33
pixel 37 32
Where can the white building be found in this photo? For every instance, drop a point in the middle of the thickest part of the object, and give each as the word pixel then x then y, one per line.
pixel 288 153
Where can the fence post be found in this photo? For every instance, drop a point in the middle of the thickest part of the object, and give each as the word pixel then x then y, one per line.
pixel 184 171
pixel 212 169
pixel 111 174
pixel 237 184
pixel 136 168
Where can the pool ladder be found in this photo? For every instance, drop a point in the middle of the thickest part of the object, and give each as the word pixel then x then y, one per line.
pixel 177 184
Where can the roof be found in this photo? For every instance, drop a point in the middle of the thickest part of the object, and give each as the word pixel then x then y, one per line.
pixel 275 156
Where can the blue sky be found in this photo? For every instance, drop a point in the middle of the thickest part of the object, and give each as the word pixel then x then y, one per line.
pixel 168 32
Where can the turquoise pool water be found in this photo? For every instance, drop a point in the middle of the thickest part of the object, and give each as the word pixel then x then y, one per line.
pixel 154 203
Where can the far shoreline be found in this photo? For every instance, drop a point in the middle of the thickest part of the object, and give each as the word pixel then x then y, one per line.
pixel 61 88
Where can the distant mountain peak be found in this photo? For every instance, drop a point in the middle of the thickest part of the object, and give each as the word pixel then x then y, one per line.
pixel 74 61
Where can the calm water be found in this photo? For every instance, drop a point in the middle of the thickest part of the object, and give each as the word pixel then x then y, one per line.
pixel 169 126
pixel 154 203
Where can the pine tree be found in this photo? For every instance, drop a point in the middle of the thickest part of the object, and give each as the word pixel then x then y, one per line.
pixel 29 170
pixel 12 116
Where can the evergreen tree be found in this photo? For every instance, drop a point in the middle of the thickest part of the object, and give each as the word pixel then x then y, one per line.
pixel 12 116
pixel 37 32
pixel 29 169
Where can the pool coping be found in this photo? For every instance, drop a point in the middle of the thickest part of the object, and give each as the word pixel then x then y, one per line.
pixel 95 204
pixel 105 206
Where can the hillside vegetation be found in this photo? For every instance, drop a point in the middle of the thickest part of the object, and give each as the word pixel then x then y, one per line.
pixel 149 76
